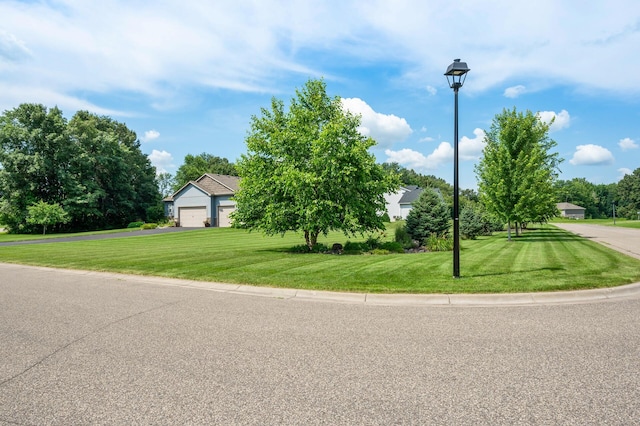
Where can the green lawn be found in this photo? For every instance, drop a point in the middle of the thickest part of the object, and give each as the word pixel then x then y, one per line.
pixel 544 259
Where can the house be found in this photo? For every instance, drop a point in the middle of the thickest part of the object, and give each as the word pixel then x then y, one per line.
pixel 399 203
pixel 571 211
pixel 207 201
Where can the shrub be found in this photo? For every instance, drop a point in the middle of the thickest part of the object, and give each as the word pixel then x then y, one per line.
pixel 385 217
pixel 403 238
pixel 135 225
pixel 392 247
pixel 303 248
pixel 439 243
pixel 428 215
pixel 150 226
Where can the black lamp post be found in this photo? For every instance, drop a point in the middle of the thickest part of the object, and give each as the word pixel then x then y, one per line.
pixel 456 75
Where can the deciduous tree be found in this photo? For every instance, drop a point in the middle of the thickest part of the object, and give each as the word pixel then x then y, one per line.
pixel 309 169
pixel 195 166
pixel 517 170
pixel 45 214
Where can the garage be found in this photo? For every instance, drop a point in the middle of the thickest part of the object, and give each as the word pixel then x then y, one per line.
pixel 223 216
pixel 192 217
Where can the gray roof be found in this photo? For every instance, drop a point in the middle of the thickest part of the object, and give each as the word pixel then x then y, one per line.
pixel 568 206
pixel 412 194
pixel 212 184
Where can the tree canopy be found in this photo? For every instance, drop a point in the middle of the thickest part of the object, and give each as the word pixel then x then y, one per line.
pixel 195 166
pixel 517 171
pixel 91 166
pixel 309 169
pixel 629 195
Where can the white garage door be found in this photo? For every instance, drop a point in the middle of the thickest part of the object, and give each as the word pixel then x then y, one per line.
pixel 192 217
pixel 223 216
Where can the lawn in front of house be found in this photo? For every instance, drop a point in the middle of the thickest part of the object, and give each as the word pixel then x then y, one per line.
pixel 543 259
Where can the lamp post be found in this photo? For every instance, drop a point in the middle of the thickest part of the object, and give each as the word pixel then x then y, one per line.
pixel 456 75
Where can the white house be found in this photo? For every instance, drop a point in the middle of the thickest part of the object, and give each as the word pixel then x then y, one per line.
pixel 399 203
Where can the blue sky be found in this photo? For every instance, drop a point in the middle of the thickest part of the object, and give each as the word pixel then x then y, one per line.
pixel 186 76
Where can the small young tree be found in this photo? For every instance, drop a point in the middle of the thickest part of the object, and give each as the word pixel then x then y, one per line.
pixel 429 215
pixel 46 214
pixel 471 222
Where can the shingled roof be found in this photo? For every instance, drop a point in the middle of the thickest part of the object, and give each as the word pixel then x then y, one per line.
pixel 212 184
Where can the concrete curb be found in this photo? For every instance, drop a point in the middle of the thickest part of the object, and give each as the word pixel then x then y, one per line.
pixel 629 291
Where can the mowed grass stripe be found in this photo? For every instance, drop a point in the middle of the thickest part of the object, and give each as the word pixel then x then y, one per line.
pixel 542 259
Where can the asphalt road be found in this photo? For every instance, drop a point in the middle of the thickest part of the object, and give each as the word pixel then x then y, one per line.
pixel 624 240
pixel 101 349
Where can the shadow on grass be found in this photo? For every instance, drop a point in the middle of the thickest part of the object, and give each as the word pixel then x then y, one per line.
pixel 542 235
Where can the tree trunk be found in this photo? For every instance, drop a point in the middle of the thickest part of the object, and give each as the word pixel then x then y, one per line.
pixel 517 229
pixel 509 231
pixel 311 238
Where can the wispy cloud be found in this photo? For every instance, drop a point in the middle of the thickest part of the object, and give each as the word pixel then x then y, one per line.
pixel 150 135
pixel 76 48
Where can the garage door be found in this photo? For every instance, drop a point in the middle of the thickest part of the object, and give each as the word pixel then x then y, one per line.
pixel 223 216
pixel 192 217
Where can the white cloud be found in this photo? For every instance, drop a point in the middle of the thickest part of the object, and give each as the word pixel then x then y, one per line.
pixel 384 129
pixel 162 160
pixel 627 143
pixel 432 90
pixel 591 155
pixel 150 135
pixel 561 119
pixel 624 171
pixel 515 91
pixel 469 149
pixel 71 48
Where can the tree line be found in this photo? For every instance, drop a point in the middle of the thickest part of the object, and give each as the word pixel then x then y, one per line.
pixel 90 166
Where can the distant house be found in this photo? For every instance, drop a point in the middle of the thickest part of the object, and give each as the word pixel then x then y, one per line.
pixel 207 201
pixel 571 211
pixel 399 203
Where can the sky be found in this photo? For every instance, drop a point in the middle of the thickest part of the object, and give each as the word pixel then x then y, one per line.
pixel 187 76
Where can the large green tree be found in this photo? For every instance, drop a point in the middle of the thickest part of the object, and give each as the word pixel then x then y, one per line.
pixel 309 169
pixel 195 166
pixel 517 171
pixel 629 195
pixel 92 166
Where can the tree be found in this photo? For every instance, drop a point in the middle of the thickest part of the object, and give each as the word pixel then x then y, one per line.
pixel 429 215
pixel 46 214
pixel 195 166
pixel 517 171
pixel 629 195
pixel 166 183
pixel 92 166
pixel 308 169
pixel 35 153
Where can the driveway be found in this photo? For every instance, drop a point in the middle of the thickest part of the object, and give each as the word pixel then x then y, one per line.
pixel 91 348
pixel 624 240
pixel 131 233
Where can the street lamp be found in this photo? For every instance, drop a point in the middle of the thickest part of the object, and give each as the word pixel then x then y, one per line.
pixel 456 75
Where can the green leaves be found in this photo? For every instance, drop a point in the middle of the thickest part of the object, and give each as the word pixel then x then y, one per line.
pixel 91 165
pixel 308 169
pixel 517 171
